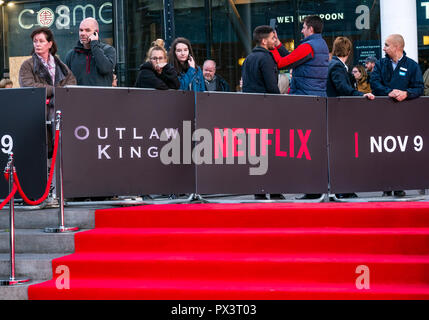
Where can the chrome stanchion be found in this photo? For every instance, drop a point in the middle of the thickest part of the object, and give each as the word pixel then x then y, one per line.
pixel 61 227
pixel 12 280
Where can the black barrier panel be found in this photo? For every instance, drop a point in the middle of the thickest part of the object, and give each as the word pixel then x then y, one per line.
pixel 291 128
pixel 23 131
pixel 111 141
pixel 378 145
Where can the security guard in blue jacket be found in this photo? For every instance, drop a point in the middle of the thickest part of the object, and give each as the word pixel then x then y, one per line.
pixel 396 75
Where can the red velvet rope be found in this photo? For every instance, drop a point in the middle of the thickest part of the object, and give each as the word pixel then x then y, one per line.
pixel 51 175
pixel 9 197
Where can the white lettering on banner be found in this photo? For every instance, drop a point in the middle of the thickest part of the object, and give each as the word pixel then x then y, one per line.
pixel 135 135
pixel 107 151
pixel 152 152
pixel 46 17
pixel 76 133
pixel 7 144
pixel 390 144
pixel 103 152
pixel 426 4
pixel 137 152
pixel 418 143
pixel 120 130
pixel 99 133
pixel 154 133
pixel 362 22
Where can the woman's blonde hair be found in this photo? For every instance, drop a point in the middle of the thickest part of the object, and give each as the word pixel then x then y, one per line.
pixel 157 45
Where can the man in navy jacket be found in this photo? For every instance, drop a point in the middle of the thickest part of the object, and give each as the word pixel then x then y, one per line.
pixel 260 73
pixel 396 75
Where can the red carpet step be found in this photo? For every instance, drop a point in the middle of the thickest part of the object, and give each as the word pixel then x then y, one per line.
pixel 249 251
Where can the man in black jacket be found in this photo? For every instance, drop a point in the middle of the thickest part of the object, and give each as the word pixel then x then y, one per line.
pixel 213 81
pixel 91 61
pixel 260 73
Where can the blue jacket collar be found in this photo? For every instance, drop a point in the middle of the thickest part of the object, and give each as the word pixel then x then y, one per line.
pixel 313 36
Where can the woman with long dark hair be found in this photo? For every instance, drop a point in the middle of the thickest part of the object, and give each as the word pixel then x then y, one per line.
pixel 181 56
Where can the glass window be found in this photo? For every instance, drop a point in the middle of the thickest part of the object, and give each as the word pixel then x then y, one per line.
pixel 62 17
pixel 226 27
pixel 144 25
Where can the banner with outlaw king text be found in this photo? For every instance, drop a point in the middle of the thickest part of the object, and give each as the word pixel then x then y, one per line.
pixel 23 132
pixel 256 143
pixel 114 138
pixel 379 145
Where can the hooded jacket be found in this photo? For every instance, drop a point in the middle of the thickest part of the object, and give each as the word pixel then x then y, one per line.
pixel 149 78
pixel 407 76
pixel 94 66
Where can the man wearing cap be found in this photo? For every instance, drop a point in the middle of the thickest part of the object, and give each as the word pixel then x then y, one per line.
pixel 369 66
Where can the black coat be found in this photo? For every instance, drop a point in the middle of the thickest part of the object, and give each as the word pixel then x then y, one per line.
pixel 149 78
pixel 338 83
pixel 260 73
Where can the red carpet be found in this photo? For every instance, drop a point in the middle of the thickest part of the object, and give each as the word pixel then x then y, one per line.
pixel 249 251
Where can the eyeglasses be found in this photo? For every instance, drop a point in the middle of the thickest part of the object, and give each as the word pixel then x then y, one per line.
pixel 157 58
pixel 355 71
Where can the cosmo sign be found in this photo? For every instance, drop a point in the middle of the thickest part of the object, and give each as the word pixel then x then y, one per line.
pixel 64 16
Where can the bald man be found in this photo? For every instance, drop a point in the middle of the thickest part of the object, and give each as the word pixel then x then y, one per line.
pixel 91 61
pixel 396 75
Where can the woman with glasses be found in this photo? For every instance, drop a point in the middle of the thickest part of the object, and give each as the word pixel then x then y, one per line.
pixel 181 56
pixel 361 79
pixel 156 73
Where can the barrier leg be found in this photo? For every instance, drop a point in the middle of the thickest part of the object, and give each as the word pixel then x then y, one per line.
pixel 12 280
pixel 61 227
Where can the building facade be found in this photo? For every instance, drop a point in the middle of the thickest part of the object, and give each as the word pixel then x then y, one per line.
pixel 218 29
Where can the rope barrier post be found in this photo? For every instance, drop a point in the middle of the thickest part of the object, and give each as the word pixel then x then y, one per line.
pixel 61 227
pixel 12 280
